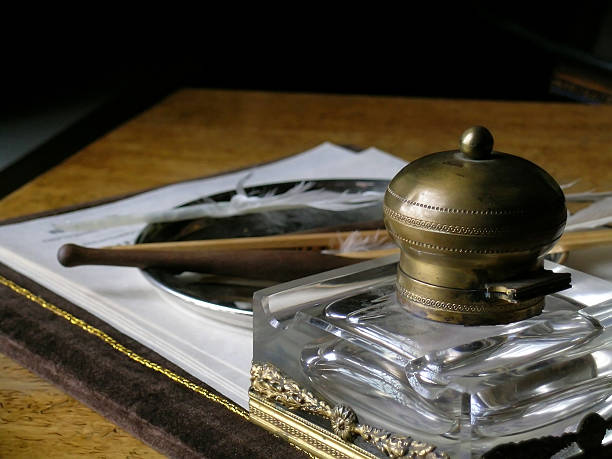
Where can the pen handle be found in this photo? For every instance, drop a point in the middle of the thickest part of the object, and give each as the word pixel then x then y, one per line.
pixel 328 240
pixel 274 265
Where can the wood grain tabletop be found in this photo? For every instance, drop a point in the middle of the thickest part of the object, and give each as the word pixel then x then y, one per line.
pixel 193 133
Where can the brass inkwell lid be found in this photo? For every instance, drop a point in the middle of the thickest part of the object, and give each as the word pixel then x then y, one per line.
pixel 473 226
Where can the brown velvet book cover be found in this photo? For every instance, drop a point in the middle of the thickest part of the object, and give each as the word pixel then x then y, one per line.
pixel 120 378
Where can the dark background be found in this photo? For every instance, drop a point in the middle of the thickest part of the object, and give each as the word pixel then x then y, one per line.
pixel 58 96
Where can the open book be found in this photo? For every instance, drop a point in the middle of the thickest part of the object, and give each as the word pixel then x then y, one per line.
pixel 216 353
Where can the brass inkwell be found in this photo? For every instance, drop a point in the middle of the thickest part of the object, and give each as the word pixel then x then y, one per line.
pixel 461 345
pixel 474 225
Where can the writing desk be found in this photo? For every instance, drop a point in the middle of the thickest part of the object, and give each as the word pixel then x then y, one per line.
pixel 194 132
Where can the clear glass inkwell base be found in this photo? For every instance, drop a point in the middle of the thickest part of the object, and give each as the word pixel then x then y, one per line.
pixel 343 336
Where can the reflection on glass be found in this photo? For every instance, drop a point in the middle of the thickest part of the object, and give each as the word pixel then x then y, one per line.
pixel 465 389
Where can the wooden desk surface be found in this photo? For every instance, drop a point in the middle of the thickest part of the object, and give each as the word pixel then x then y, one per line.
pixel 200 132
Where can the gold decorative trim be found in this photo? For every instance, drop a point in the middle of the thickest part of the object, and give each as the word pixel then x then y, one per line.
pixel 122 349
pixel 456 229
pixel 304 435
pixel 430 303
pixel 426 245
pixel 456 211
pixel 270 385
pixel 435 226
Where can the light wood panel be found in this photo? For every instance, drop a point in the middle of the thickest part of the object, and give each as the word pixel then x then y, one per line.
pixel 198 132
pixel 39 420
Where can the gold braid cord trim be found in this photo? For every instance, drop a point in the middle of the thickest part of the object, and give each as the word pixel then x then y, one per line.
pixel 270 384
pixel 122 349
pixel 306 436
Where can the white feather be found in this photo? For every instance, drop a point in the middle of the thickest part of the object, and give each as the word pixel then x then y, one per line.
pixel 570 184
pixel 587 196
pixel 597 214
pixel 584 196
pixel 357 242
pixel 300 196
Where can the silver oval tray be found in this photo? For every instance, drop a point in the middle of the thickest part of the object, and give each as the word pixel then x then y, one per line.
pixel 229 299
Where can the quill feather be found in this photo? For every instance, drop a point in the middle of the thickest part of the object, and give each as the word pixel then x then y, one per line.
pixel 597 214
pixel 587 196
pixel 303 195
pixel 358 242
pixel 300 196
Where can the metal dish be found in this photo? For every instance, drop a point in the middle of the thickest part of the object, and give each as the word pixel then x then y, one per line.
pixel 229 299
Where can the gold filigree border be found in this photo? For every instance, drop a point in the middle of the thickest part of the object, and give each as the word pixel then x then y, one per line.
pixel 302 434
pixel 269 383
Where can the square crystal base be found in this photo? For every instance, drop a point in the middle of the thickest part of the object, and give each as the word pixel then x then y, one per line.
pixel 344 336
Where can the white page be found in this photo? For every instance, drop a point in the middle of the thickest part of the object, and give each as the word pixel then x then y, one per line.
pixel 215 353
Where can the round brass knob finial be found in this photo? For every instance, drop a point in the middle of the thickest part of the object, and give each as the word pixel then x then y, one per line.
pixel 476 143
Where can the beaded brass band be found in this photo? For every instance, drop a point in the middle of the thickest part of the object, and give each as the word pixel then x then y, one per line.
pixel 461 305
